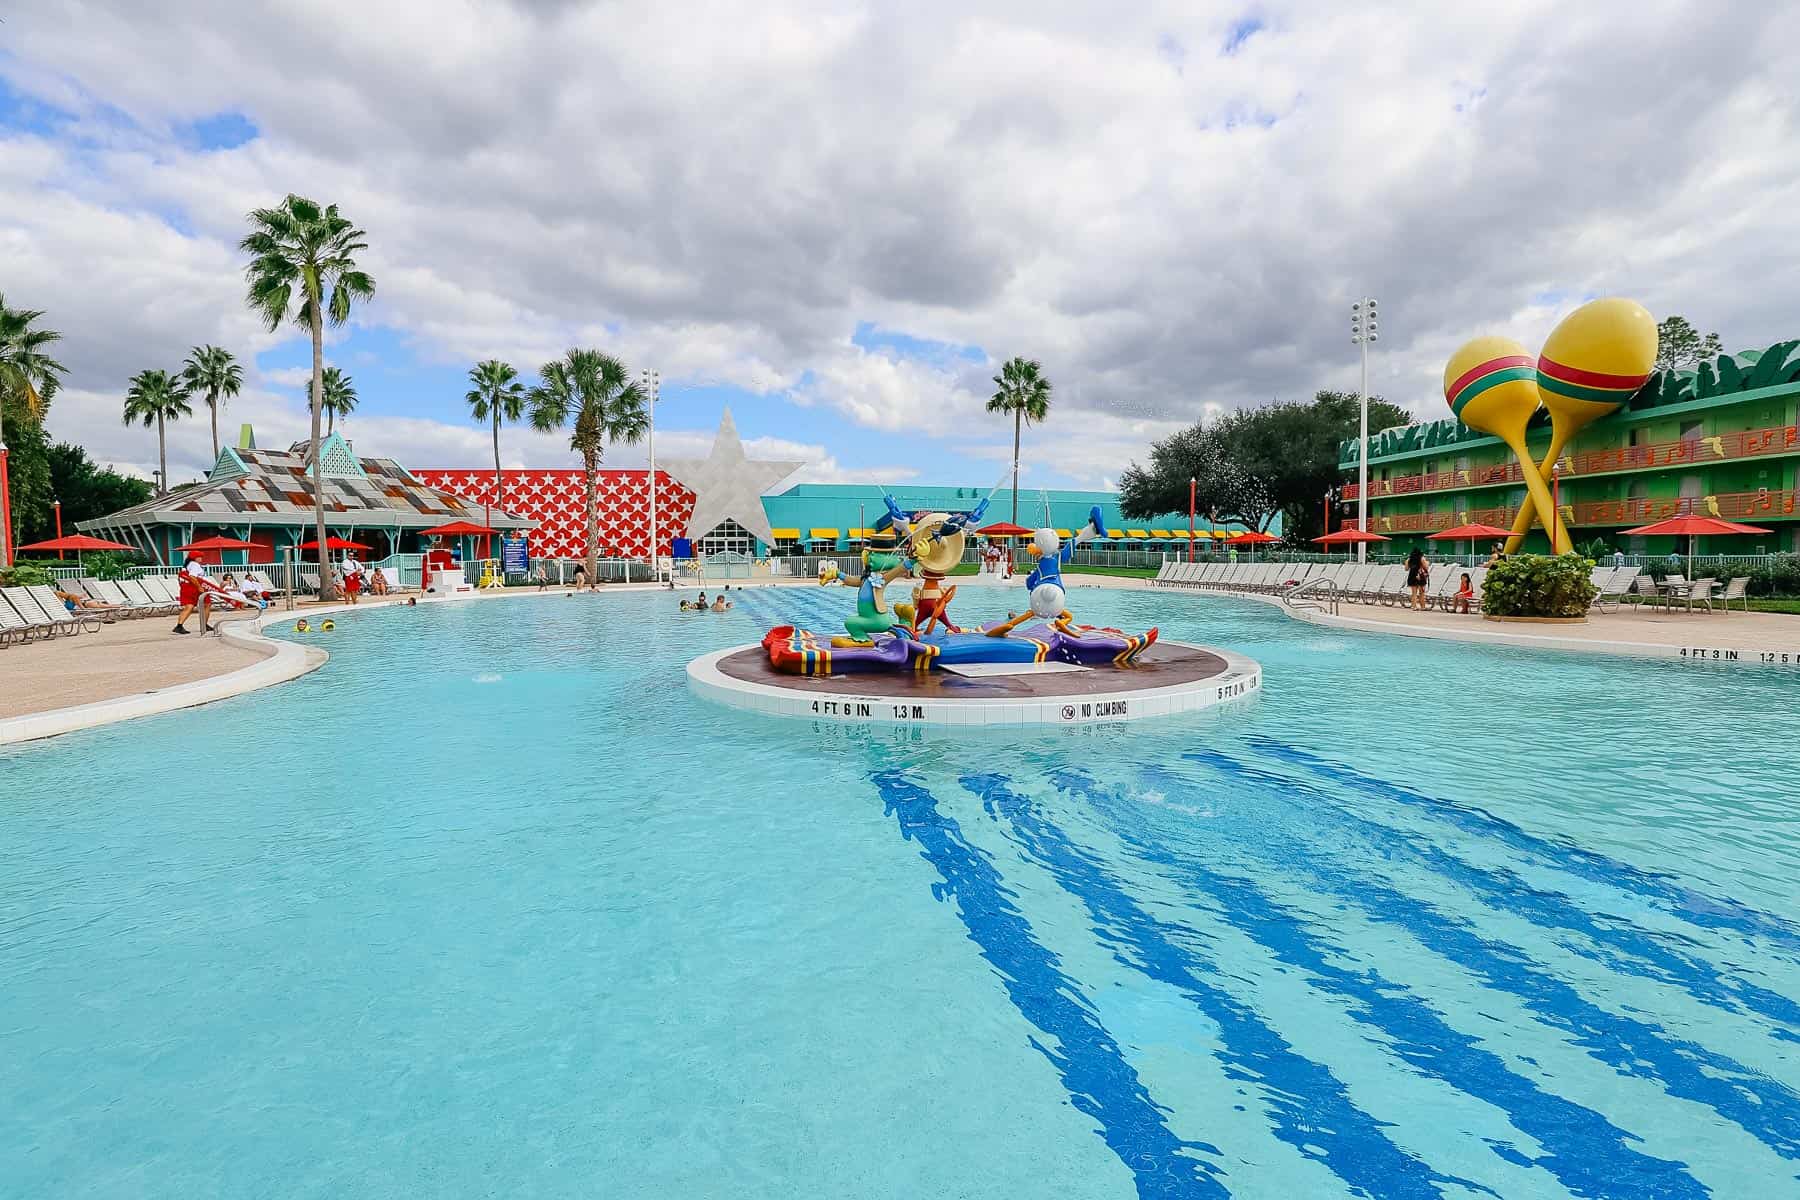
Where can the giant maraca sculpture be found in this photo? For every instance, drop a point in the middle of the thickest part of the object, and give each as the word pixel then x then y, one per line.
pixel 1491 384
pixel 1590 365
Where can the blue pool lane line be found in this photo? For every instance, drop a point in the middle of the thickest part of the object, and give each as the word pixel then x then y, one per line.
pixel 1708 912
pixel 1100 1082
pixel 1626 949
pixel 1762 1106
pixel 1586 1152
pixel 1312 1111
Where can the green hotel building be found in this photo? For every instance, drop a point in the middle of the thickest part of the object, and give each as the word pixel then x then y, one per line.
pixel 1719 440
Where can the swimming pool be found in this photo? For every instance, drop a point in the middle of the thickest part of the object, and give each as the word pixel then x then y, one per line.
pixel 491 905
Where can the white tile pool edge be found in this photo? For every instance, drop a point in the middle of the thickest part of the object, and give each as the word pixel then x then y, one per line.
pixel 1242 678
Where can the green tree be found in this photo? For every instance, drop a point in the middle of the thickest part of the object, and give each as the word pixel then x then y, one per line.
pixel 303 267
pixel 28 473
pixel 593 396
pixel 1679 344
pixel 496 395
pixel 28 381
pixel 1253 463
pixel 212 373
pixel 338 396
pixel 1022 389
pixel 157 398
pixel 88 490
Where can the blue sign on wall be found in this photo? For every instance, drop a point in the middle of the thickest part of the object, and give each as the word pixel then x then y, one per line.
pixel 513 553
pixel 681 548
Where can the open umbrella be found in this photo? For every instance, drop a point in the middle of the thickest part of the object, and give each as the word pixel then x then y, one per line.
pixel 78 542
pixel 1252 538
pixel 1004 529
pixel 1349 537
pixel 1469 533
pixel 1695 527
pixel 333 543
pixel 455 529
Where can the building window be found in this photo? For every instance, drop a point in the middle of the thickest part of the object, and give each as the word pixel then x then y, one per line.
pixel 1690 430
pixel 727 537
pixel 1632 436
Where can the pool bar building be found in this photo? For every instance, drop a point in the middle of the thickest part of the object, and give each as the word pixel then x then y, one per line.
pixel 1722 439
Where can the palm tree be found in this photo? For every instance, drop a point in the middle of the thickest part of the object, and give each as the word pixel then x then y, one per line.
pixel 28 377
pixel 156 398
pixel 212 372
pixel 1021 389
pixel 303 267
pixel 592 394
pixel 497 395
pixel 338 396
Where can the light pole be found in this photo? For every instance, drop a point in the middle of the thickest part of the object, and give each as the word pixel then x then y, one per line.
pixel 1365 327
pixel 1192 484
pixel 652 382
pixel 5 502
pixel 1556 505
pixel 56 505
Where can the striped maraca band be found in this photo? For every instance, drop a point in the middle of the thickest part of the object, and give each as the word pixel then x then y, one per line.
pixel 1508 368
pixel 1577 384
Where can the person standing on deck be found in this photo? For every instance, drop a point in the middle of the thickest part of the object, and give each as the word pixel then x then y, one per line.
pixel 193 594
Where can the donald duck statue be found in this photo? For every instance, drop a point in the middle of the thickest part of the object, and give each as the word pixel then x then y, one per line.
pixel 1047 600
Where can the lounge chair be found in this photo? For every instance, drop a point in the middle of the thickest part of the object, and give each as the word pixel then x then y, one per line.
pixel 1442 594
pixel 53 607
pixel 112 593
pixel 33 615
pixel 1616 588
pixel 1737 589
pixel 160 589
pixel 1647 591
pixel 137 593
pixel 17 628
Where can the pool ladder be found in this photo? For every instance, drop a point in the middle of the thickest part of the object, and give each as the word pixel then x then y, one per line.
pixel 1317 592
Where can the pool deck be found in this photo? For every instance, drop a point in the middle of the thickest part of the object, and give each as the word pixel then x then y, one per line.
pixel 136 668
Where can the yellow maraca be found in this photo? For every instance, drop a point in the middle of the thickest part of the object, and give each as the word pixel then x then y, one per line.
pixel 1491 384
pixel 1592 362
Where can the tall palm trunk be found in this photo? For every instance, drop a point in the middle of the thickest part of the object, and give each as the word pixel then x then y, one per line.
pixel 318 404
pixel 590 465
pixel 499 479
pixel 1018 422
pixel 212 402
pixel 162 454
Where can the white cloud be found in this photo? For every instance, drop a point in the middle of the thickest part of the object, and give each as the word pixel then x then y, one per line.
pixel 727 199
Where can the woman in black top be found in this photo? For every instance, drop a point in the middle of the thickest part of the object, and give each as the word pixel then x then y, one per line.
pixel 1418 574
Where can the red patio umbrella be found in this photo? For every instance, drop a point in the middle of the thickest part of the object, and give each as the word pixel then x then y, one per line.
pixel 1469 533
pixel 1004 529
pixel 333 543
pixel 77 542
pixel 456 529
pixel 218 543
pixel 1695 527
pixel 1348 537
pixel 1251 538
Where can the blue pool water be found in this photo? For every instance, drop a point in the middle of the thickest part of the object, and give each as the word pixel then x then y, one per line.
pixel 491 906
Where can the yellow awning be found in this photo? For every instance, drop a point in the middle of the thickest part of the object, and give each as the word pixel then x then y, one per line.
pixel 785 533
pixel 1138 533
pixel 1161 533
pixel 861 533
pixel 822 534
pixel 1064 533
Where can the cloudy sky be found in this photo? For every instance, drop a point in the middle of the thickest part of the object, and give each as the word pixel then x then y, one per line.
pixel 837 217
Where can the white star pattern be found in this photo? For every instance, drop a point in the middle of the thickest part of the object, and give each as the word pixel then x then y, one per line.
pixel 554 499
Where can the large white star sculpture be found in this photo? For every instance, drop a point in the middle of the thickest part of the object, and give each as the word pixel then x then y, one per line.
pixel 726 485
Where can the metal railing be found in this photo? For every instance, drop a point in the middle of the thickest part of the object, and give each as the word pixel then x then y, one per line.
pixel 1318 585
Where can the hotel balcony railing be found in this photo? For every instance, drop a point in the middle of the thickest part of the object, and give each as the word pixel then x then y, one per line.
pixel 1724 447
pixel 1732 506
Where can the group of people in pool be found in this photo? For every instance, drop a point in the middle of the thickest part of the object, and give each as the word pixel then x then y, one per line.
pixel 699 604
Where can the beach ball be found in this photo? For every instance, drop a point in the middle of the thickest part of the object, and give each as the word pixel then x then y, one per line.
pixel 1048 600
pixel 1491 385
pixel 1596 358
